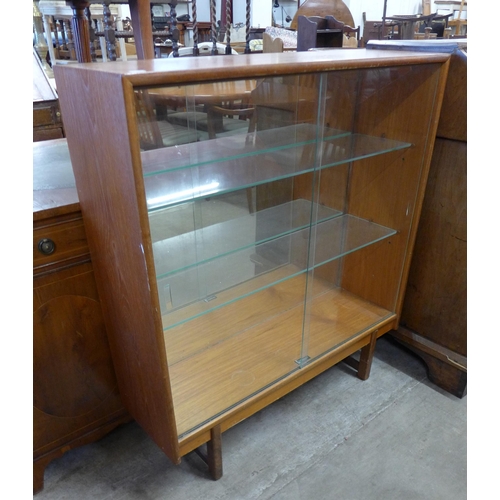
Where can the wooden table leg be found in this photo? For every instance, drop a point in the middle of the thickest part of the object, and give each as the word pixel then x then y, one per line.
pixel 140 12
pixel 81 32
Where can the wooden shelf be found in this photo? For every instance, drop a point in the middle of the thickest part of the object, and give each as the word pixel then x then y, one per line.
pixel 206 284
pixel 209 376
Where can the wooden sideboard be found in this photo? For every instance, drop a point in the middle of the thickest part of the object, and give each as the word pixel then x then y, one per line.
pixel 434 316
pixel 75 395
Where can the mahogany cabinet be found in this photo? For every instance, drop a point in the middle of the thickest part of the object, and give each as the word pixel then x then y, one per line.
pixel 250 220
pixel 434 316
pixel 75 394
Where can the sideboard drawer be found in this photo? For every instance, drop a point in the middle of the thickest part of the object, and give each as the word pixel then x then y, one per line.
pixel 60 242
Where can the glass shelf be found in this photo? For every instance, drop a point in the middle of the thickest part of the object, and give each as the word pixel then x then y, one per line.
pixel 197 154
pixel 209 285
pixel 218 240
pixel 197 170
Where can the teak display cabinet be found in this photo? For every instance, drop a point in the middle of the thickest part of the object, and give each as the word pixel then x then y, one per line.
pixel 250 219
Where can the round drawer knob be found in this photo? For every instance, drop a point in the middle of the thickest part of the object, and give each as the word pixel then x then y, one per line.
pixel 46 246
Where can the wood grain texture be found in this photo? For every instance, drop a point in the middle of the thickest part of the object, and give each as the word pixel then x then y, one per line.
pixel 110 205
pixel 75 393
pixel 436 299
pixel 379 273
pixel 434 314
pixel 453 120
pixel 260 355
pixel 269 395
pixel 227 355
pixel 180 70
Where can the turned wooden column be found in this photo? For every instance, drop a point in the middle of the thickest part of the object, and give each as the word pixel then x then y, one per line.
pixel 213 22
pixel 196 50
pixel 173 28
pixel 247 36
pixel 226 21
pixel 109 30
pixel 140 12
pixel 80 28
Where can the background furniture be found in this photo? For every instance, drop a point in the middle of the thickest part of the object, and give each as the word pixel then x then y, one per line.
pixel 323 32
pixel 47 122
pixel 322 8
pixel 65 26
pixel 75 394
pixel 271 44
pixel 409 25
pixel 458 10
pixel 434 316
pixel 376 30
pixel 75 15
pixel 208 320
pixel 279 40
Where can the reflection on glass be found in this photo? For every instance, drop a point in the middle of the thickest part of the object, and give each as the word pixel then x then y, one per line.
pixel 247 188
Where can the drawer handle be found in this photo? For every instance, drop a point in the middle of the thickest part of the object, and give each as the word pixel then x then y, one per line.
pixel 46 246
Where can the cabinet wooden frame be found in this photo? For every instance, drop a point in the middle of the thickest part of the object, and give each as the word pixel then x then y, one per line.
pixel 103 139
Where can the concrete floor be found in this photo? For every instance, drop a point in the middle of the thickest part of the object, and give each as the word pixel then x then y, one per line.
pixel 395 436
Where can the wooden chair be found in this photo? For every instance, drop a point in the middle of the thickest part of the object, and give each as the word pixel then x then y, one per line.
pixel 270 44
pixel 156 133
pixel 288 37
pixel 459 22
pixel 236 117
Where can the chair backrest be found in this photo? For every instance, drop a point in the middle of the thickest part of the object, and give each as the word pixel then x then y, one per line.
pixel 270 44
pixel 288 37
pixel 236 110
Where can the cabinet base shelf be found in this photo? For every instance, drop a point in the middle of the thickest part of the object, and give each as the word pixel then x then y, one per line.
pixel 193 440
pixel 264 351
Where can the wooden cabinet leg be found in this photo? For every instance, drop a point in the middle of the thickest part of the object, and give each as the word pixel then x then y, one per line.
pixel 38 473
pixel 366 358
pixel 213 458
pixel 364 365
pixel 214 453
pixel 445 368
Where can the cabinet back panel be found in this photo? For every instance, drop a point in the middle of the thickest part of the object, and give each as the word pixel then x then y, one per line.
pixel 367 273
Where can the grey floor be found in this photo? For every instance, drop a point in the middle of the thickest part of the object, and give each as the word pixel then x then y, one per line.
pixel 393 436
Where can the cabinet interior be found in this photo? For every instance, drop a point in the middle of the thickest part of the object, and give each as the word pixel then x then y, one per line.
pixel 252 223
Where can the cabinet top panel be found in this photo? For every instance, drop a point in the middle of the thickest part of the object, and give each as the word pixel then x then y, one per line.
pixel 195 69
